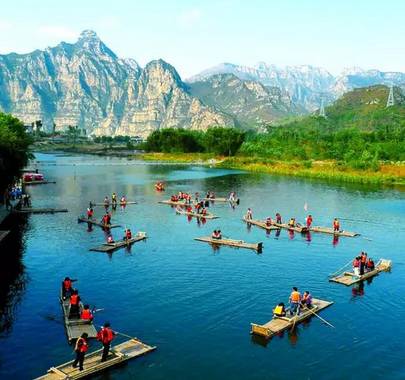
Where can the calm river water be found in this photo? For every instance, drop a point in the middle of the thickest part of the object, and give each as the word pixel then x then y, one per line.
pixel 196 304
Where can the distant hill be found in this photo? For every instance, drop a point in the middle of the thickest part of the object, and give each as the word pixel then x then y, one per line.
pixel 250 102
pixel 362 108
pixel 306 84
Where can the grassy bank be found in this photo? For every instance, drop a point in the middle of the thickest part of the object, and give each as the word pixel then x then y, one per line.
pixel 387 173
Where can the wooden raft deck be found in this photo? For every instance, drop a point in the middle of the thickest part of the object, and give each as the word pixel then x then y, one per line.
pixel 76 327
pixel 169 202
pixel 3 235
pixel 44 182
pixel 349 278
pixel 110 247
pixel 330 231
pixel 196 215
pixel 120 353
pixel 261 224
pixel 232 243
pixel 279 324
pixel 221 200
pixel 94 222
pixel 31 210
pixel 301 229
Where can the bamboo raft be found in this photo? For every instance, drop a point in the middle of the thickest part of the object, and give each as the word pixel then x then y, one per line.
pixel 327 230
pixel 114 203
pixel 94 222
pixel 232 243
pixel 30 210
pixel 172 203
pixel 110 247
pixel 300 229
pixel 279 324
pixel 3 234
pixel 118 354
pixel 42 182
pixel 349 278
pixel 76 327
pixel 196 215
pixel 221 200
pixel 261 224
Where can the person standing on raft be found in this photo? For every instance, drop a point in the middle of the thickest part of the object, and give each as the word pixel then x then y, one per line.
pixel 309 221
pixel 295 301
pixel 81 348
pixel 249 214
pixel 336 225
pixel 105 336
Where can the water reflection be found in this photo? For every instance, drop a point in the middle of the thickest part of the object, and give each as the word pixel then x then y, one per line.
pixel 13 279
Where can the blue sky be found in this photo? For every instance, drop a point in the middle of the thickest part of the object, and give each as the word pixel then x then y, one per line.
pixel 193 35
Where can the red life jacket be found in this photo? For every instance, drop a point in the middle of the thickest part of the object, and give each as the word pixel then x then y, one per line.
pixel 81 345
pixel 370 264
pixel 105 335
pixel 67 284
pixel 86 314
pixel 363 259
pixel 128 234
pixel 74 299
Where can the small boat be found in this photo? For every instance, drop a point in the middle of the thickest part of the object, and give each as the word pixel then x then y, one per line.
pixel 75 327
pixel 110 247
pixel 231 242
pixel 261 224
pixel 118 354
pixel 297 228
pixel 174 203
pixel 82 219
pixel 31 210
pixel 279 324
pixel 349 278
pixel 114 203
pixel 331 231
pixel 196 215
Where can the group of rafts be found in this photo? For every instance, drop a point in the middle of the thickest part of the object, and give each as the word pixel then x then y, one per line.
pixel 301 307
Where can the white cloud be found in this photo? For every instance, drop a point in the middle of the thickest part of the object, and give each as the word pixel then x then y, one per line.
pixel 56 32
pixel 189 17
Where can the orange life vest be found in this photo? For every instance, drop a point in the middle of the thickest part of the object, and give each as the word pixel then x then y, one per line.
pixel 363 259
pixel 67 284
pixel 105 335
pixel 81 345
pixel 295 296
pixel 74 299
pixel 86 314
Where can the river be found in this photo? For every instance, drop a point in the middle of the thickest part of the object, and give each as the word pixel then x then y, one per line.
pixel 196 304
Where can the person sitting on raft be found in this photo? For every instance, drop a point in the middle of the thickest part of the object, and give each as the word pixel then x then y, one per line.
pixel 309 221
pixel 269 221
pixel 128 234
pixel 110 239
pixel 306 300
pixel 336 225
pixel 295 301
pixel 249 214
pixel 279 310
pixel 291 222
pixel 67 288
pixel 203 211
pixel 370 265
pixel 217 234
pixel 278 218
pixel 74 310
pixel 86 314
pixel 356 266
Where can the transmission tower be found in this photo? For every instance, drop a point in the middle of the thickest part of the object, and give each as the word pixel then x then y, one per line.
pixel 322 109
pixel 390 101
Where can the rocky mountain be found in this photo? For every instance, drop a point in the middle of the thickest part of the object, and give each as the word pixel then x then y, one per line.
pixel 86 84
pixel 306 85
pixel 250 102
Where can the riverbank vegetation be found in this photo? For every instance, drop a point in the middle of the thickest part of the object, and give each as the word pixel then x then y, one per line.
pixel 14 149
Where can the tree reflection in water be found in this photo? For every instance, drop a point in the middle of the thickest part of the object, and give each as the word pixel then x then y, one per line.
pixel 13 279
